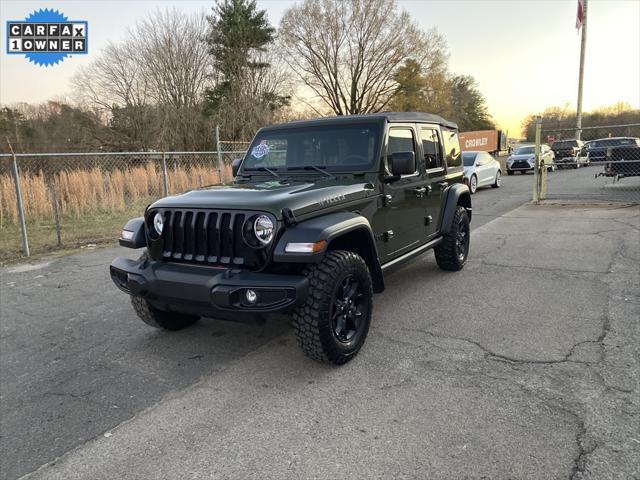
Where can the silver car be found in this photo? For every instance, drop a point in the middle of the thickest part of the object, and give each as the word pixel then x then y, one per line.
pixel 480 170
pixel 523 159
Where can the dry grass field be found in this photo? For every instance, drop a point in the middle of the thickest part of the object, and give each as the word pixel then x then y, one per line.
pixel 93 204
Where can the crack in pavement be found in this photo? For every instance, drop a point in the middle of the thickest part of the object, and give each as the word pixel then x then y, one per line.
pixel 545 269
pixel 491 355
pixel 585 442
pixel 580 461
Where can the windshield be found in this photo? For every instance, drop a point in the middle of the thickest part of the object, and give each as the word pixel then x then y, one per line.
pixel 334 147
pixel 565 144
pixel 524 151
pixel 468 159
pixel 612 142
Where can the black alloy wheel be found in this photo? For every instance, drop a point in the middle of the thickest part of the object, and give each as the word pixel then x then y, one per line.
pixel 348 309
pixel 462 239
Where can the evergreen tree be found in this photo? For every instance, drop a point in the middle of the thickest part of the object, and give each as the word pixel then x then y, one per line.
pixel 469 108
pixel 239 33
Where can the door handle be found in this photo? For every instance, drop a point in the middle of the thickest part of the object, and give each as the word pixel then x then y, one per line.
pixel 420 191
pixel 442 185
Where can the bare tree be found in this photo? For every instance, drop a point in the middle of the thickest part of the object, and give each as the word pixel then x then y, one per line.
pixel 347 51
pixel 114 77
pixel 151 93
pixel 174 56
pixel 164 60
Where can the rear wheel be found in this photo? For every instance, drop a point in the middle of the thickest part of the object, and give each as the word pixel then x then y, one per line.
pixel 159 318
pixel 452 252
pixel 332 325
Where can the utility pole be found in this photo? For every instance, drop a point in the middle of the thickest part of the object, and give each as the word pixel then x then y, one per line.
pixel 583 44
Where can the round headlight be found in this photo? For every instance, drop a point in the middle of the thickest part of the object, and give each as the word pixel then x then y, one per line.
pixel 263 229
pixel 158 223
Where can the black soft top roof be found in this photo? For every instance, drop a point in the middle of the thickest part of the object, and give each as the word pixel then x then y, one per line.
pixel 391 117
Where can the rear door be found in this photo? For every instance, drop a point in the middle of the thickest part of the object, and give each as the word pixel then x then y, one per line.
pixel 434 175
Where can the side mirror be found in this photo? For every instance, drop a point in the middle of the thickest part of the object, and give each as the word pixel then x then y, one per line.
pixel 235 166
pixel 403 163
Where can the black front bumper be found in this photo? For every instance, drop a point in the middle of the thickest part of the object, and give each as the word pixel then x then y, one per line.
pixel 519 166
pixel 207 291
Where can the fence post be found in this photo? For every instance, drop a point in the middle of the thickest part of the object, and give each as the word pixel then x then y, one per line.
pixel 537 184
pixel 165 181
pixel 56 214
pixel 23 225
pixel 219 155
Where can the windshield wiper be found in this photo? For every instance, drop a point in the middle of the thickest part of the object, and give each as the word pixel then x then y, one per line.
pixel 262 169
pixel 312 167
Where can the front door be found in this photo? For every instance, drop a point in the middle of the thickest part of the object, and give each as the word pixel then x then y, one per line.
pixel 485 169
pixel 404 198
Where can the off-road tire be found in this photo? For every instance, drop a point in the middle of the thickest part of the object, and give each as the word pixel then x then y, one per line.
pixel 161 319
pixel 312 320
pixel 447 254
pixel 496 182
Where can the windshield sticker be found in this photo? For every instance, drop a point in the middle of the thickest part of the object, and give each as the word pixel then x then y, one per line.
pixel 261 150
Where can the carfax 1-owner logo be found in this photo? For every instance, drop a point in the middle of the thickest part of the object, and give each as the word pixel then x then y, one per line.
pixel 46 37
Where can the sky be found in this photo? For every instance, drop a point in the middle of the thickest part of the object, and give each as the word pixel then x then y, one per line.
pixel 524 54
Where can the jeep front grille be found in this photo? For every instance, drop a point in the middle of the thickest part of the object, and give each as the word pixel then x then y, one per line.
pixel 213 237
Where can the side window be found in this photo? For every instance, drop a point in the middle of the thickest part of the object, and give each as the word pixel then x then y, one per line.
pixel 431 148
pixel 452 148
pixel 400 140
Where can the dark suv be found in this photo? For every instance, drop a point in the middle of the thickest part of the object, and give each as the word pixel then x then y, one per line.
pixel 569 153
pixel 318 213
pixel 597 149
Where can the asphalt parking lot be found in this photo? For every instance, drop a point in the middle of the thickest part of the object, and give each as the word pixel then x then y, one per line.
pixel 524 365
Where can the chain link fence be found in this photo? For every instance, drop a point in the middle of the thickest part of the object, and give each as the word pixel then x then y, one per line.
pixel 603 166
pixel 79 199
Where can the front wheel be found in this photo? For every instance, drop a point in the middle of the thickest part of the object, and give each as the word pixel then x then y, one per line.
pixel 473 184
pixel 332 325
pixel 498 180
pixel 510 172
pixel 452 252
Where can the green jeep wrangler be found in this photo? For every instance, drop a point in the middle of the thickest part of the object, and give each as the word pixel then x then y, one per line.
pixel 318 213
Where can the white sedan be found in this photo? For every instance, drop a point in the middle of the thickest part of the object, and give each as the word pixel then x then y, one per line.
pixel 481 170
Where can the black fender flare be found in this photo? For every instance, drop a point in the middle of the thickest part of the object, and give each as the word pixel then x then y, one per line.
pixel 331 228
pixel 457 194
pixel 138 238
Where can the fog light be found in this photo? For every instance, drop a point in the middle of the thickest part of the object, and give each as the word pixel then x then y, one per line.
pixel 251 296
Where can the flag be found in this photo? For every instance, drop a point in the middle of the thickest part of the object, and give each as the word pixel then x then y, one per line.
pixel 580 14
